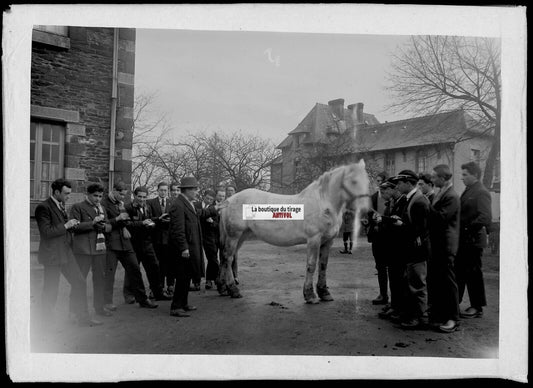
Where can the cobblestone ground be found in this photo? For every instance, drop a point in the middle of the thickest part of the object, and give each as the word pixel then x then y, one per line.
pixel 272 318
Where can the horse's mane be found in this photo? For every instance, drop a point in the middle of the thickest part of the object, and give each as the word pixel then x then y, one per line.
pixel 322 182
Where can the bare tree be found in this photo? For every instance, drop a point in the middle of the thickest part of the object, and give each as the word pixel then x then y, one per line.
pixel 442 73
pixel 150 132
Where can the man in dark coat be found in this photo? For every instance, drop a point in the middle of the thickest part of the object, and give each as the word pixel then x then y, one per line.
pixel 119 248
pixel 185 238
pixel 415 249
pixel 55 254
pixel 444 237
pixel 394 208
pixel 210 236
pixel 475 220
pixel 89 242
pixel 141 226
pixel 379 246
pixel 159 208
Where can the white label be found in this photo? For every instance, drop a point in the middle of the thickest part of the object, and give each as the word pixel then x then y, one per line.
pixel 272 212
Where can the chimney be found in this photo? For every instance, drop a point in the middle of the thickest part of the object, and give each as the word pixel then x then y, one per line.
pixel 357 113
pixel 337 107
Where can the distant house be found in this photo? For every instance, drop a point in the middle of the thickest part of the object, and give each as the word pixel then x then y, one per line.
pixel 82 94
pixel 419 144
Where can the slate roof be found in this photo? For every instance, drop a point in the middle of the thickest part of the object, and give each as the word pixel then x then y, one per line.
pixel 440 128
pixel 447 127
pixel 321 119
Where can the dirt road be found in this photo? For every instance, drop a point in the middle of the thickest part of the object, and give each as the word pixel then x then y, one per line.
pixel 272 318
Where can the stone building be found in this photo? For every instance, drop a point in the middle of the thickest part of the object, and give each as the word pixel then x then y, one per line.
pixel 82 95
pixel 419 144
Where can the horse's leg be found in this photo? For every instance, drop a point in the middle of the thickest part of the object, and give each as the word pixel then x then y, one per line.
pixel 232 245
pixel 321 286
pixel 313 247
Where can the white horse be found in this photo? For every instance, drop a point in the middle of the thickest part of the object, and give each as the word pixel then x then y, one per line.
pixel 324 202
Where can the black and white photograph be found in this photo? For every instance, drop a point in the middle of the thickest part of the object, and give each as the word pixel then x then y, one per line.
pixel 280 192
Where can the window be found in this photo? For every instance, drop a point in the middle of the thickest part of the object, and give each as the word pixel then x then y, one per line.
pixel 390 164
pixel 58 30
pixel 422 161
pixel 475 156
pixel 46 157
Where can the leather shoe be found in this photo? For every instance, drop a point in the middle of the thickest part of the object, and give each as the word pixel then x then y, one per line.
pixel 129 299
pixel 471 312
pixel 190 308
pixel 110 307
pixel 380 300
pixel 208 284
pixel 410 324
pixel 449 327
pixel 179 313
pixel 148 304
pixel 104 312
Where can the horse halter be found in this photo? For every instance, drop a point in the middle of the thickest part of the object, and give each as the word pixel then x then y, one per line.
pixel 352 195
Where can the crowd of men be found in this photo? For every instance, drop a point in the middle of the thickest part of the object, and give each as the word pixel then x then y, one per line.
pixel 167 235
pixel 428 246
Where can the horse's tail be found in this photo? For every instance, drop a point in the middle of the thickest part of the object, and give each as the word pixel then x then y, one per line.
pixel 222 225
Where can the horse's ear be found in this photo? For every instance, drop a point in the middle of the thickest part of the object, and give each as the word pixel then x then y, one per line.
pixel 362 163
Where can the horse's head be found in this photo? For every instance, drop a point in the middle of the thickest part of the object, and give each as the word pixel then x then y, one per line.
pixel 355 185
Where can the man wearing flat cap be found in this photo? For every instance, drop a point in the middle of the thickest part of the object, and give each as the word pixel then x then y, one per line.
pixel 185 239
pixel 413 229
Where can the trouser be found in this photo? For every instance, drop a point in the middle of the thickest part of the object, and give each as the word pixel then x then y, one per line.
pixel 78 289
pixel 380 252
pixel 211 249
pixel 133 272
pixel 396 272
pixel 416 291
pixel 347 236
pixel 469 275
pixel 166 272
pixel 183 272
pixel 442 288
pixel 96 264
pixel 146 256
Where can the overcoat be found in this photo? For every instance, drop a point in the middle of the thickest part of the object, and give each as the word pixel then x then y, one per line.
pixel 444 223
pixel 185 232
pixel 55 244
pixel 476 215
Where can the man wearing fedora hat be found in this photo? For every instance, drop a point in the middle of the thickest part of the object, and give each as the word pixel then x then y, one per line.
pixel 185 238
pixel 414 250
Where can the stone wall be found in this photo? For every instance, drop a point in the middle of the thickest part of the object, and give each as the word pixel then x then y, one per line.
pixel 72 84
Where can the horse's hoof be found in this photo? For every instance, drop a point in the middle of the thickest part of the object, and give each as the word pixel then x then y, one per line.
pixel 234 292
pixel 223 293
pixel 237 295
pixel 312 301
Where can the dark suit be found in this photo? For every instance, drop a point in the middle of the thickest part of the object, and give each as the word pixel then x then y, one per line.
pixel 185 234
pixel 396 266
pixel 210 241
pixel 415 253
pixel 55 254
pixel 476 217
pixel 160 241
pixel 84 247
pixel 380 246
pixel 119 248
pixel 444 236
pixel 142 245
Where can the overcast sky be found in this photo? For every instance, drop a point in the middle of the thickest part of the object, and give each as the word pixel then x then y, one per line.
pixel 259 82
